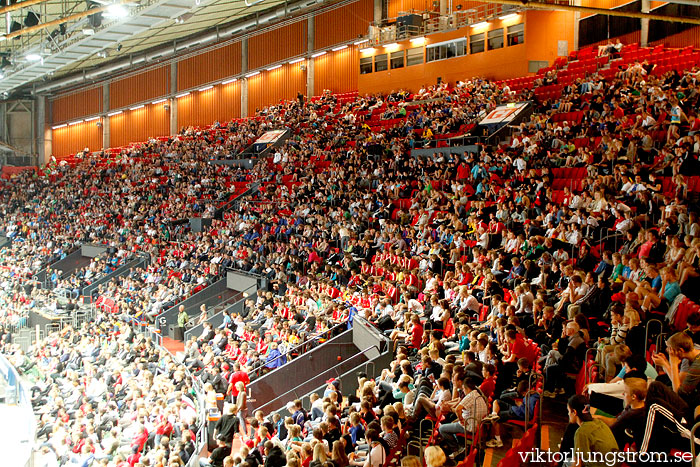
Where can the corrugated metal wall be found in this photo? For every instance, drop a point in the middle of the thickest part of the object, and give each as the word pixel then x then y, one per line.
pixel 140 88
pixel 272 86
pixel 276 45
pixel 209 66
pixel 682 39
pixel 222 103
pixel 138 125
pixel 343 24
pixel 73 138
pixel 337 71
pixel 79 104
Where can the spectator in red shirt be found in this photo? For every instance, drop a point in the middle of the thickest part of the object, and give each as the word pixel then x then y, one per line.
pixel 236 376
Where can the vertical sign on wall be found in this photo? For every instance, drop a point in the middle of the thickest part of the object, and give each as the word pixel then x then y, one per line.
pixel 562 48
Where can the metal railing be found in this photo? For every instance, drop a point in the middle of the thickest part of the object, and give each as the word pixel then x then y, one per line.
pixel 238 300
pixel 333 371
pixel 302 348
pixel 390 30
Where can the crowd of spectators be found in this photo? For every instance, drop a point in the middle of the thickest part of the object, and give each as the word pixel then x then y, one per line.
pixel 482 273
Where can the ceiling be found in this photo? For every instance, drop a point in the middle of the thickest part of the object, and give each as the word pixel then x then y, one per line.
pixel 163 26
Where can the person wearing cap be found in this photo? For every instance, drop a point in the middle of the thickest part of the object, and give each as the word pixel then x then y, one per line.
pixel 592 435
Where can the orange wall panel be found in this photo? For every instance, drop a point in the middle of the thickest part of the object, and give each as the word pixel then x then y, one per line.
pixel 343 24
pixel 73 138
pixel 79 104
pixel 270 87
pixel 337 71
pixel 682 39
pixel 220 103
pixel 139 88
pixel 278 44
pixel 543 29
pixel 605 4
pixel 210 66
pixel 132 126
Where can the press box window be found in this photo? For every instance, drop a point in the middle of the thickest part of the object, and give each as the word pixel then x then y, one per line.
pixel 476 43
pixel 397 59
pixel 445 50
pixel 381 62
pixel 516 34
pixel 414 56
pixel 365 65
pixel 495 39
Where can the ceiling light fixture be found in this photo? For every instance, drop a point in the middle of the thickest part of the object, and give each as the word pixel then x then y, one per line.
pixel 297 60
pixel 318 54
pixel 229 81
pixel 507 17
pixel 33 57
pixel 75 122
pixel 250 75
pixel 206 88
pixel 89 32
pixel 159 101
pixel 116 11
pixel 340 48
pixel 56 127
pixel 480 25
pixel 112 114
pixel 360 42
pixel 418 40
pixel 92 119
pixel 367 50
pixel 137 107
pixel 274 67
pixel 182 95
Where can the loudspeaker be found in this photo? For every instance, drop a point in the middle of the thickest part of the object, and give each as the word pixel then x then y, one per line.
pixel 32 19
pixel 15 26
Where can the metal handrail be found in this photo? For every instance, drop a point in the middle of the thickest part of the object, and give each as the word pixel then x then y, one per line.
pixel 299 346
pixel 334 367
pixel 646 336
pixel 239 297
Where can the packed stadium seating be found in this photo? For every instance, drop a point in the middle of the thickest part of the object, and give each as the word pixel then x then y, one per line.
pixel 501 286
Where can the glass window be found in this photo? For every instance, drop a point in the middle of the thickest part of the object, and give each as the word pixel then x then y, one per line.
pixel 496 39
pixel 414 56
pixel 365 65
pixel 476 43
pixel 397 59
pixel 450 49
pixel 516 34
pixel 381 62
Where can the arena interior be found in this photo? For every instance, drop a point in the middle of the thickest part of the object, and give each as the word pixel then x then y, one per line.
pixel 334 233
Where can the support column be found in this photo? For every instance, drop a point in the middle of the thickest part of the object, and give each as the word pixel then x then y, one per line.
pixel 443 7
pixel 644 40
pixel 105 122
pixel 577 20
pixel 244 81
pixel 377 11
pixel 42 145
pixel 310 40
pixel 173 99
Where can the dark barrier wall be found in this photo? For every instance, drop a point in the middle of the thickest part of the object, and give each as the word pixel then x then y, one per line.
pixel 340 357
pixel 303 374
pixel 210 296
pixel 239 280
pixel 78 259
